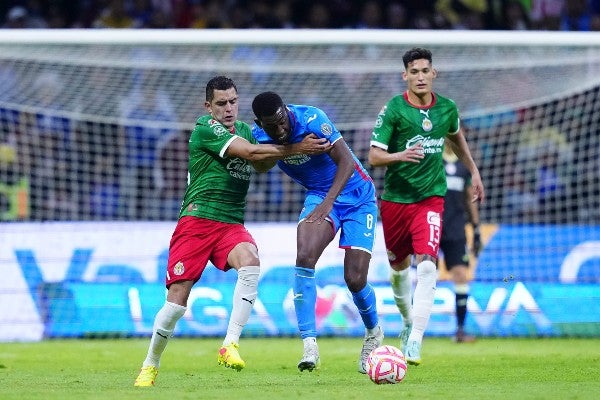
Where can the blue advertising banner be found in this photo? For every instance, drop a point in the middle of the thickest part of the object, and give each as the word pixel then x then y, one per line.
pixel 512 309
pixel 542 253
pixel 94 279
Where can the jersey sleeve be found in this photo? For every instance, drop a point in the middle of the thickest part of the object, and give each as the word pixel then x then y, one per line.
pixel 454 121
pixel 384 126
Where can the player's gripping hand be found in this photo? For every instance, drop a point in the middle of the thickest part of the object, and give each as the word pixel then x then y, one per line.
pixel 413 154
pixel 477 185
pixel 313 145
pixel 320 213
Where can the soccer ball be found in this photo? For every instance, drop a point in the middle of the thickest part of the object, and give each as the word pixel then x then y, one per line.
pixel 386 364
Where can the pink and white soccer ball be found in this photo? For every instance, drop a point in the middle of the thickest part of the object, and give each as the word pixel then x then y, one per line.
pixel 386 364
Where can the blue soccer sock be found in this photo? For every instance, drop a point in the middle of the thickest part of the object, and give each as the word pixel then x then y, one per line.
pixel 305 300
pixel 366 303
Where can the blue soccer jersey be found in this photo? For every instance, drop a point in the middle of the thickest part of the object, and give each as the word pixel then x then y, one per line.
pixel 355 209
pixel 314 172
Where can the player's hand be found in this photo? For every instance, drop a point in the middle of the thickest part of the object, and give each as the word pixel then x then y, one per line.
pixel 313 145
pixel 476 241
pixel 320 213
pixel 413 154
pixel 477 185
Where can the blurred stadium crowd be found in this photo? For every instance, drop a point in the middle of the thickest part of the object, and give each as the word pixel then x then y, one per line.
pixel 568 15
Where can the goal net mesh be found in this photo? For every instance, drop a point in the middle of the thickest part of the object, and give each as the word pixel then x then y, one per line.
pixel 98 131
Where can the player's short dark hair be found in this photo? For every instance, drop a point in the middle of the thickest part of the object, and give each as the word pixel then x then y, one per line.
pixel 266 104
pixel 416 53
pixel 218 83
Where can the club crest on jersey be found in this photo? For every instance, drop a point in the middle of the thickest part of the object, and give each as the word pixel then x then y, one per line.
pixel 426 124
pixel 179 269
pixel 326 129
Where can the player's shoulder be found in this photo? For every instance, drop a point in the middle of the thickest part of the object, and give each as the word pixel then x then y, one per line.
pixel 203 120
pixel 396 104
pixel 241 126
pixel 399 99
pixel 260 135
pixel 206 125
pixel 243 130
pixel 306 113
pixel 444 101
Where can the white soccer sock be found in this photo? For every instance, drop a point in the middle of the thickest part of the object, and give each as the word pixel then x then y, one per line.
pixel 244 295
pixel 164 324
pixel 401 287
pixel 423 299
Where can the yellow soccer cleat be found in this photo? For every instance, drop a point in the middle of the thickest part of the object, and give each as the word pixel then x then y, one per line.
pixel 146 377
pixel 230 357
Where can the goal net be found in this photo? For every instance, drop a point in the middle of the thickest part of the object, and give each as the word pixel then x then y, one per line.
pixel 94 125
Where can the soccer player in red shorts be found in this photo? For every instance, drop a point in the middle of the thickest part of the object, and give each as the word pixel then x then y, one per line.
pixel 222 156
pixel 408 139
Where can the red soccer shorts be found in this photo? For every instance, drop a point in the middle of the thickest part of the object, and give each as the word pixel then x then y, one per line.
pixel 412 228
pixel 196 241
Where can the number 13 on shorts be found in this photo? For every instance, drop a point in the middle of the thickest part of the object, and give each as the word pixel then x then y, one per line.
pixel 435 229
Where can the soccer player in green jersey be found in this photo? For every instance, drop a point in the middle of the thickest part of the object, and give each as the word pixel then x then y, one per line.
pixel 408 139
pixel 222 156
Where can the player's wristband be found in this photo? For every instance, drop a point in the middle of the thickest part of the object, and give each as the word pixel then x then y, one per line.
pixel 475 228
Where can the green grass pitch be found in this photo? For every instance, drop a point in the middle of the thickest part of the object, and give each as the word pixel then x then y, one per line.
pixel 512 369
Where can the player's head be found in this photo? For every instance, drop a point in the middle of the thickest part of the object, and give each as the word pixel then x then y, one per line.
pixel 222 100
pixel 418 70
pixel 271 115
pixel 416 53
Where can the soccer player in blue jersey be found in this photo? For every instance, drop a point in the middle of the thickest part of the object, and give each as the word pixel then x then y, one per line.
pixel 340 195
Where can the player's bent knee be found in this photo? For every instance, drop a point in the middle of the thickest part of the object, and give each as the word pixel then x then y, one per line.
pixel 243 254
pixel 426 268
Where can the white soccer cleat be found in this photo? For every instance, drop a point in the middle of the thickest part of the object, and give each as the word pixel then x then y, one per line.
pixel 370 343
pixel 310 360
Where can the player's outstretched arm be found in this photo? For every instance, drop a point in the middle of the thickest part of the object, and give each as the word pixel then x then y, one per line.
pixel 473 211
pixel 462 151
pixel 240 147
